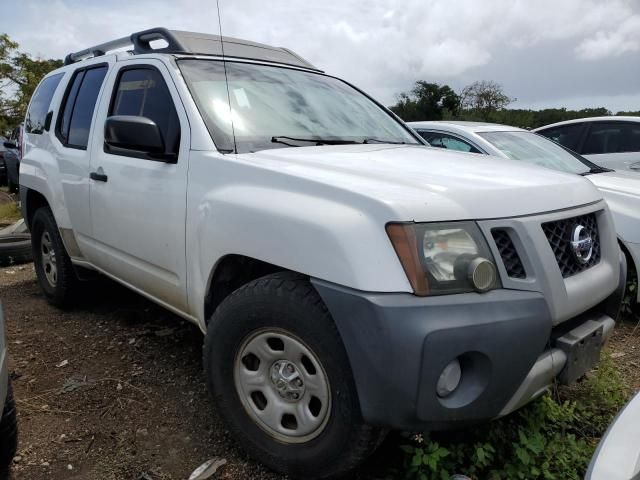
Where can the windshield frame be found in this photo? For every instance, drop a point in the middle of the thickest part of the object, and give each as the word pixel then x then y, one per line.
pixel 223 60
pixel 588 163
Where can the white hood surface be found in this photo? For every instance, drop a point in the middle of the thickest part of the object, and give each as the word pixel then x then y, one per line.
pixel 621 190
pixel 429 184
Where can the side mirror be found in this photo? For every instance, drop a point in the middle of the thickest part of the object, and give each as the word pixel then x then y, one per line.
pixel 135 136
pixel 10 144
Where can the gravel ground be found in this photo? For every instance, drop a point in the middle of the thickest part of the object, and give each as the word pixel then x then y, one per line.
pixel 114 389
pixel 110 390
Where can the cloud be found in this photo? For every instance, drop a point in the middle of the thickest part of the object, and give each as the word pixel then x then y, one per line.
pixel 382 46
pixel 625 39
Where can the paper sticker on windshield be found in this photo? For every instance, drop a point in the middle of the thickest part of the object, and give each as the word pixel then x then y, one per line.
pixel 241 97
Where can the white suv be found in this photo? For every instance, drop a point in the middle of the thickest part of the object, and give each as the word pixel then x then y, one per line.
pixel 348 280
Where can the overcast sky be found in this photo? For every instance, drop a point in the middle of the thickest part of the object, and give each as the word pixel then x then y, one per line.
pixel 546 53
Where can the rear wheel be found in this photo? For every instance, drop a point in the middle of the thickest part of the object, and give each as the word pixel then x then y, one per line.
pixel 54 269
pixel 8 434
pixel 281 380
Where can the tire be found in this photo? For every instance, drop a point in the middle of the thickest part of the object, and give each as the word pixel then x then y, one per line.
pixel 13 187
pixel 8 434
pixel 285 307
pixel 54 269
pixel 15 249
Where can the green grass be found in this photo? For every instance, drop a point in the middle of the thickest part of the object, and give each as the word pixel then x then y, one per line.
pixel 9 213
pixel 552 438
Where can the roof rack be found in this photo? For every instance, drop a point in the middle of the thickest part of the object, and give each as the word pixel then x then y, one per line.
pixel 192 43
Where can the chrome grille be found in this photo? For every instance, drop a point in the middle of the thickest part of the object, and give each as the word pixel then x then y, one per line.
pixel 559 236
pixel 510 258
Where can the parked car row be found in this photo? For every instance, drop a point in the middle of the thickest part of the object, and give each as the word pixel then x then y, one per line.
pixel 12 154
pixel 348 279
pixel 612 142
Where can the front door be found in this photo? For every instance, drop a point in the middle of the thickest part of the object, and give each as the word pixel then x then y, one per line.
pixel 138 205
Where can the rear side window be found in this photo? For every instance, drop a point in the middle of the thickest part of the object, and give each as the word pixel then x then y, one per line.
pixel 612 137
pixel 40 102
pixel 79 103
pixel 443 140
pixel 567 136
pixel 143 92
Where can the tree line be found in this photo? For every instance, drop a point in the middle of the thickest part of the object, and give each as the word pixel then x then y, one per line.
pixel 20 74
pixel 483 101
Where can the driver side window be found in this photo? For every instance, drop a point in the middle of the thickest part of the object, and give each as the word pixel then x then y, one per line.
pixel 142 91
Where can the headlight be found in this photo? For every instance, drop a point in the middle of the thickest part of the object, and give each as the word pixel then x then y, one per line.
pixel 441 258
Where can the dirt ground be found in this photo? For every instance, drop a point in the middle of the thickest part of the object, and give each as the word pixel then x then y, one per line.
pixel 114 388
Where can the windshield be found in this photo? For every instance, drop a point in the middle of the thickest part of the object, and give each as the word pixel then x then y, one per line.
pixel 275 107
pixel 533 148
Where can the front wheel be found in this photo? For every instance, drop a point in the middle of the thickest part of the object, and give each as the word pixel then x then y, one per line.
pixel 282 382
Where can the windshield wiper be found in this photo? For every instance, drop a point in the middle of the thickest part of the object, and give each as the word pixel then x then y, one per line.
pixel 318 141
pixel 380 140
pixel 593 170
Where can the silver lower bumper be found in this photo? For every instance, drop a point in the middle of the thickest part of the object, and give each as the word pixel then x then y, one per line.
pixel 548 367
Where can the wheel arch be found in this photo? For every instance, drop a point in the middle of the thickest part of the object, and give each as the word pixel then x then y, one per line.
pixel 31 200
pixel 230 273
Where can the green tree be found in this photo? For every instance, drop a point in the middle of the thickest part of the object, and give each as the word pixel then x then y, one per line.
pixel 20 74
pixel 427 101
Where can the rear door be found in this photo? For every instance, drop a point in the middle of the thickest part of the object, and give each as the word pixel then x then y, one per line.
pixel 138 205
pixel 73 126
pixel 613 144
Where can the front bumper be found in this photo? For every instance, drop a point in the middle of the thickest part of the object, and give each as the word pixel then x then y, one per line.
pixel 398 345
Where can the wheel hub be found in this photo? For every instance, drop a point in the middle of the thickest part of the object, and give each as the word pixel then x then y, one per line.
pixel 286 379
pixel 282 385
pixel 49 264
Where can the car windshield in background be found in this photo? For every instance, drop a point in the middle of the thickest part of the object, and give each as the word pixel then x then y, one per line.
pixel 533 148
pixel 275 107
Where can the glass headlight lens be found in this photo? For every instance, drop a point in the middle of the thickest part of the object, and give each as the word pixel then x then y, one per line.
pixel 442 258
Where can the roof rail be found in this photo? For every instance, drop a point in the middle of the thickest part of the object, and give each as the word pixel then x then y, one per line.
pixel 192 43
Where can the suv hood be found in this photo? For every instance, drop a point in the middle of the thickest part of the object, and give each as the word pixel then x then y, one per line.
pixel 428 184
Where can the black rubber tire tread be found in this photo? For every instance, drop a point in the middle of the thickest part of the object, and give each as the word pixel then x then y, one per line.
pixel 15 249
pixel 64 293
pixel 13 187
pixel 8 434
pixel 290 298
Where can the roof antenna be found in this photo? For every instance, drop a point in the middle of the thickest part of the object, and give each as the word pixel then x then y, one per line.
pixel 226 79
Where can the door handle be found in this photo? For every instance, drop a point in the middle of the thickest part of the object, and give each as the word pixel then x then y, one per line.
pixel 98 177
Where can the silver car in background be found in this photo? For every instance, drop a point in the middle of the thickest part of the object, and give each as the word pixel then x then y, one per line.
pixel 8 421
pixel 617 456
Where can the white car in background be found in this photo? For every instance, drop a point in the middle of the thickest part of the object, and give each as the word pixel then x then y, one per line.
pixel 612 142
pixel 621 190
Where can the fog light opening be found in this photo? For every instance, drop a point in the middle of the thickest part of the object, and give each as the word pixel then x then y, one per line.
pixel 482 274
pixel 449 379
